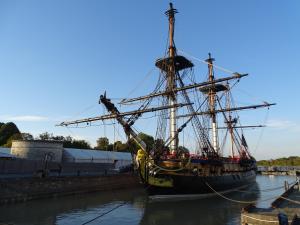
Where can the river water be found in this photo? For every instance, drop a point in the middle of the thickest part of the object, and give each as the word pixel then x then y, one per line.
pixel 133 207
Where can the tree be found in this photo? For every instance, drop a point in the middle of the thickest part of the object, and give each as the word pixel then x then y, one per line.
pixel 69 142
pixel 148 139
pixel 120 147
pixel 82 144
pixel 46 136
pixel 27 136
pixel 8 132
pixel 110 147
pixel 102 143
pixel 16 136
pixel 59 138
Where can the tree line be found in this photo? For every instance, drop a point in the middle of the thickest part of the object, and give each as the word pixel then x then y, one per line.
pixel 290 161
pixel 9 132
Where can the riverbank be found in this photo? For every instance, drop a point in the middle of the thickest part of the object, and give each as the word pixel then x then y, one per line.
pixel 25 189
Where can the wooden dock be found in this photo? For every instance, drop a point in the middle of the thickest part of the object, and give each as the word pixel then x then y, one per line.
pixel 285 210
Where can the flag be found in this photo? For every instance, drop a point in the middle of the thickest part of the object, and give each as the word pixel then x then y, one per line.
pixel 244 143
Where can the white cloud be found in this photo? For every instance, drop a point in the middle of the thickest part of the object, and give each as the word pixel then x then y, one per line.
pixel 283 124
pixel 24 118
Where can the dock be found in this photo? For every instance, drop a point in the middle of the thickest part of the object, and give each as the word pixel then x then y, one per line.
pixel 285 210
pixel 279 170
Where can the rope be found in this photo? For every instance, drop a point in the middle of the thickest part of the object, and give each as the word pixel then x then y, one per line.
pixel 237 201
pixel 267 221
pixel 290 200
pixel 140 83
pixel 203 61
pixel 103 214
pixel 261 132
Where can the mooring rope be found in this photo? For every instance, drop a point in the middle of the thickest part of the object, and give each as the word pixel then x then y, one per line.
pixel 267 221
pixel 237 201
pixel 251 202
pixel 103 214
pixel 290 200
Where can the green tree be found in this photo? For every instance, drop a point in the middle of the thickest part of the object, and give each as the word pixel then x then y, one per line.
pixel 8 132
pixel 102 143
pixel 16 136
pixel 82 144
pixel 71 143
pixel 110 147
pixel 120 147
pixel 59 138
pixel 290 161
pixel 148 139
pixel 46 136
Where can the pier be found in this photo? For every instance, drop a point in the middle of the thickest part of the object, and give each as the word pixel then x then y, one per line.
pixel 284 210
pixel 278 170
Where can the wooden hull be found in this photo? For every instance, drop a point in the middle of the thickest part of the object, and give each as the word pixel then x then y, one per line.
pixel 183 184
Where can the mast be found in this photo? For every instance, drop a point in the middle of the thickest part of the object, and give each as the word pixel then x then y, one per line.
pixel 230 123
pixel 212 104
pixel 171 79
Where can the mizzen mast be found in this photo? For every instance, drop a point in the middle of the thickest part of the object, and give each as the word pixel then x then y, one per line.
pixel 212 103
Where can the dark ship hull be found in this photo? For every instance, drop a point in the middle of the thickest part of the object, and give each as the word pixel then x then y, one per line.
pixel 199 176
pixel 199 184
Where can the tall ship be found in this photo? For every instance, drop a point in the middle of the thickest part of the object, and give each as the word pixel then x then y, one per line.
pixel 207 109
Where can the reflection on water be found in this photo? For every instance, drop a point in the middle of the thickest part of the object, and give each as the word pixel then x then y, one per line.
pixel 137 209
pixel 209 211
pixel 77 209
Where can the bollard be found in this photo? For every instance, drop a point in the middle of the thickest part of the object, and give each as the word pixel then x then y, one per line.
pixel 283 219
pixel 286 185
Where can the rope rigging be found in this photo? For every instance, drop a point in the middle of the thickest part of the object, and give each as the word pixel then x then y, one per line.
pixel 203 61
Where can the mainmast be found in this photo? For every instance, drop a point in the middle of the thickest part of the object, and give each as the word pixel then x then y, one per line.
pixel 230 123
pixel 212 104
pixel 171 80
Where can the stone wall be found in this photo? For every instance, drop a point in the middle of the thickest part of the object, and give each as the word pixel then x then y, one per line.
pixel 20 190
pixel 38 150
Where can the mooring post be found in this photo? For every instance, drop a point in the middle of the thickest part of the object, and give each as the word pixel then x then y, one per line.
pixel 283 219
pixel 286 185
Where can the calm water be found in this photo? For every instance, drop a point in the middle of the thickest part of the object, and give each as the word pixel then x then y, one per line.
pixel 136 208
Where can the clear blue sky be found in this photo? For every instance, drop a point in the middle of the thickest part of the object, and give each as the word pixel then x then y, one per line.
pixel 57 57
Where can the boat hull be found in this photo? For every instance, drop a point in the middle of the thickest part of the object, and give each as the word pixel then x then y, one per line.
pixel 183 184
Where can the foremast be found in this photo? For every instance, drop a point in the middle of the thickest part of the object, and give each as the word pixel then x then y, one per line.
pixel 127 128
